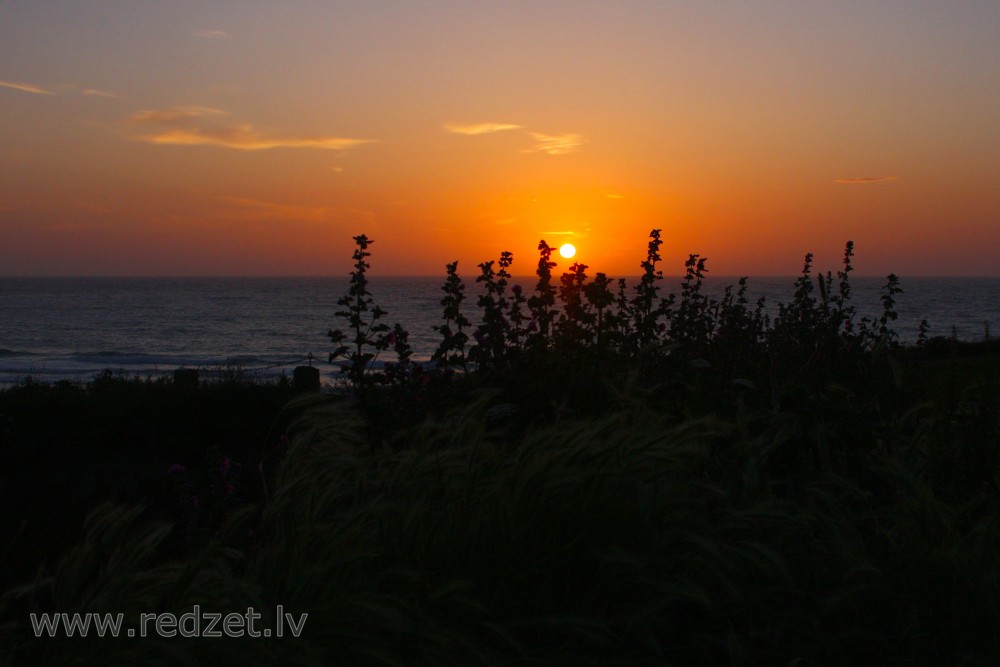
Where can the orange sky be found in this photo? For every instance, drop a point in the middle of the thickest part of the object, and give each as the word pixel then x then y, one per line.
pixel 201 138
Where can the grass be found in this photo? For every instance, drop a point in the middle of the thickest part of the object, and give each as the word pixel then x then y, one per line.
pixel 621 538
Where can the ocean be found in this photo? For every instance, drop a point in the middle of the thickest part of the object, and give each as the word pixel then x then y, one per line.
pixel 76 328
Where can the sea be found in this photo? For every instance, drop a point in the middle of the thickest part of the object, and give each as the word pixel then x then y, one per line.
pixel 75 329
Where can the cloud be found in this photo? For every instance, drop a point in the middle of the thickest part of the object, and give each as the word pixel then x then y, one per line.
pixel 204 126
pixel 175 114
pixel 551 144
pixel 212 34
pixel 864 180
pixel 480 128
pixel 38 90
pixel 558 233
pixel 556 144
pixel 26 88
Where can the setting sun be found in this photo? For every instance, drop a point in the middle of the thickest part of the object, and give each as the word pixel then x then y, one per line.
pixel 567 250
pixel 230 146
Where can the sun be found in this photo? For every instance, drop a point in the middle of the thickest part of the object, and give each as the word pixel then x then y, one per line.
pixel 567 250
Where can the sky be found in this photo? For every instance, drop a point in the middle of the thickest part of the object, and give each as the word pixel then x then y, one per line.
pixel 257 138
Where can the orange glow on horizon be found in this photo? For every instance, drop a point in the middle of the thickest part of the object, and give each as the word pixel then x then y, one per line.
pixel 234 147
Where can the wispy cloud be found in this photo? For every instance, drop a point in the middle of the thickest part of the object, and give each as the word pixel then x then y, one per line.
pixel 863 180
pixel 26 88
pixel 551 144
pixel 175 114
pixel 62 88
pixel 212 34
pixel 558 233
pixel 98 93
pixel 556 144
pixel 480 128
pixel 204 126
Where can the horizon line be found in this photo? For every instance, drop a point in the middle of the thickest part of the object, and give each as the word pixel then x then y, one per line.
pixel 276 276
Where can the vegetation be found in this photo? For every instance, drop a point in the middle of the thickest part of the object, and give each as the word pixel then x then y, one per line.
pixel 596 474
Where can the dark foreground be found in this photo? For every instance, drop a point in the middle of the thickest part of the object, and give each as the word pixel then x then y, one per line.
pixel 546 516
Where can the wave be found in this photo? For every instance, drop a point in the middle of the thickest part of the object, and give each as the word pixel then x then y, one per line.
pixel 106 358
pixel 85 367
pixel 111 354
pixel 140 358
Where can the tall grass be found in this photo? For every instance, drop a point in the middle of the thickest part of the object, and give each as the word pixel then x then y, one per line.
pixel 615 539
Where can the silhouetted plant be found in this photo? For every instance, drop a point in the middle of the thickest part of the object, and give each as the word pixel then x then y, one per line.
pixel 832 318
pixel 491 336
pixel 576 322
pixel 796 320
pixel 817 338
pixel 922 332
pixel 401 369
pixel 645 310
pixel 889 314
pixel 739 328
pixel 692 321
pixel 451 351
pixel 877 333
pixel 623 315
pixel 599 296
pixel 810 333
pixel 369 336
pixel 542 303
pixel 844 310
pixel 516 318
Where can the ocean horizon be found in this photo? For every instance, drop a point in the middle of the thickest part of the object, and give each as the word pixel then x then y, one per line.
pixel 74 328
